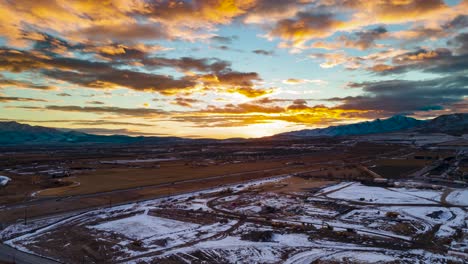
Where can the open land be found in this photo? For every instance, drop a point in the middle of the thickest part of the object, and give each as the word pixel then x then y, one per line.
pixel 309 201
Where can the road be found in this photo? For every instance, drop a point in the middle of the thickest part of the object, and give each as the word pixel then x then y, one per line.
pixel 11 255
pixel 59 205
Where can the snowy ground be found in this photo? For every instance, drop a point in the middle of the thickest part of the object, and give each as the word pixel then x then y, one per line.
pixel 212 226
pixel 361 193
pixel 458 197
pixel 4 180
pixel 142 225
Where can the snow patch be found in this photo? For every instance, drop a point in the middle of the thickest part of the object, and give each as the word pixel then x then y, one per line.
pixel 458 197
pixel 4 180
pixel 143 225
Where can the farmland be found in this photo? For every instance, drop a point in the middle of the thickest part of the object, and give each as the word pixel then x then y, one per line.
pixel 259 222
pixel 316 200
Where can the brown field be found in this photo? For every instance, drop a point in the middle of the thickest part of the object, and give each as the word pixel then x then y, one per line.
pixel 53 206
pixel 398 168
pixel 295 184
pixel 108 179
pixel 94 184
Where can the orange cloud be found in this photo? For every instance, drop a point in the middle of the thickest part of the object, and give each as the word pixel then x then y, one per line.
pixel 304 27
pixel 260 112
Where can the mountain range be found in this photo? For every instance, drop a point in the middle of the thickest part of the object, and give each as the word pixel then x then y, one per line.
pixel 453 124
pixel 13 133
pixel 395 123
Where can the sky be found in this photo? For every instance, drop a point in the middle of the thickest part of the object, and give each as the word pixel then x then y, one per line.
pixel 233 68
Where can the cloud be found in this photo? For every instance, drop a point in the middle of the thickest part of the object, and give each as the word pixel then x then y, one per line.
pixel 264 52
pixel 95 102
pixel 304 27
pixel 244 109
pixel 5 83
pixel 136 112
pixel 294 81
pixel 116 131
pixel 223 39
pixel 250 92
pixel 263 111
pixel 363 40
pixel 440 60
pixel 334 59
pixel 185 102
pixel 235 82
pixel 5 99
pixel 187 63
pixel 63 94
pixel 461 43
pixel 421 33
pixel 94 74
pixel 126 33
pixel 94 122
pixel 320 19
pixel 404 96
pixel 459 22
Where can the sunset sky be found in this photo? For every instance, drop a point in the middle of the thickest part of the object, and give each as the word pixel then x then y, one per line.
pixel 221 69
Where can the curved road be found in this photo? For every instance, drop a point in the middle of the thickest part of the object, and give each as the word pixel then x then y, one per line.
pixel 12 255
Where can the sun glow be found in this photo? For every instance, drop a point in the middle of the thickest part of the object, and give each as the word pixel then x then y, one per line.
pixel 266 129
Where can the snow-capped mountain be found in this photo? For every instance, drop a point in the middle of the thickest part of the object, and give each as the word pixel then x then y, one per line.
pixel 454 124
pixel 395 123
pixel 13 133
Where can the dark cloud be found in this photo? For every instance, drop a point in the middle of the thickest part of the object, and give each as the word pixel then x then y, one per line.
pixel 5 99
pixel 89 73
pixel 23 84
pixel 130 79
pixel 95 102
pixel 187 63
pixel 403 96
pixel 97 74
pixel 124 55
pixel 306 26
pixel 96 122
pixel 137 112
pixel 459 22
pixel 123 33
pixel 51 45
pixel 243 108
pixel 185 102
pixel 63 94
pixel 107 122
pixel 264 52
pixel 363 39
pixel 461 43
pixel 439 60
pixel 222 47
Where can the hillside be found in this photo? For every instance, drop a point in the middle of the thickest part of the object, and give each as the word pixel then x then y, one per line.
pixel 13 133
pixel 393 124
pixel 454 124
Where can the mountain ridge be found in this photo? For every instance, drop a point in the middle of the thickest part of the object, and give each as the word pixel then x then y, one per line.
pixel 14 133
pixel 392 124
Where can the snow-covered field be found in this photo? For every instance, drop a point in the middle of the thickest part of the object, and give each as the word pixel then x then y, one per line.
pixel 4 180
pixel 244 224
pixel 361 193
pixel 143 225
pixel 458 197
